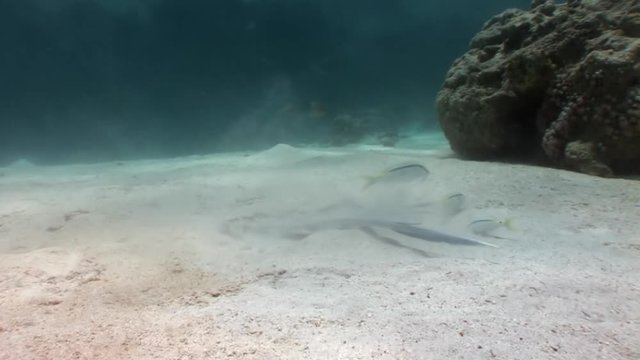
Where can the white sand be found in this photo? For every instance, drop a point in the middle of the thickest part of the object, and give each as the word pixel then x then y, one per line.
pixel 137 260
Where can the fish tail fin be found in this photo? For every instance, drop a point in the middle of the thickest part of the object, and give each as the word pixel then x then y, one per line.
pixel 369 180
pixel 486 244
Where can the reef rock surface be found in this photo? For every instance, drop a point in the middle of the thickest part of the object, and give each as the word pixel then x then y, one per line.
pixel 558 82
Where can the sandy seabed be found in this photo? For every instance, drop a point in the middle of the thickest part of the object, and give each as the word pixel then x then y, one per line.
pixel 163 259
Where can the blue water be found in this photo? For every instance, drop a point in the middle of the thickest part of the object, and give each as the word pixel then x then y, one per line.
pixel 94 80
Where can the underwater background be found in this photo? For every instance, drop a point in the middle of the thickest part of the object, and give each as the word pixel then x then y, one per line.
pixel 275 179
pixel 96 80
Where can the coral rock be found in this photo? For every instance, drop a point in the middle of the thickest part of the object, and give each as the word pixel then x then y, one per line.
pixel 559 82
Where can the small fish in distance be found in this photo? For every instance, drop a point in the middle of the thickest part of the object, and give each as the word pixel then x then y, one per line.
pixel 401 173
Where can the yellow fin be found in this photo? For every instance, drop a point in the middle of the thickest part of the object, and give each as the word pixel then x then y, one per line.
pixel 508 223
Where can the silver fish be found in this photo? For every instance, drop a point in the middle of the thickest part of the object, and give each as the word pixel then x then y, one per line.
pixel 485 226
pixel 407 229
pixel 401 173
pixel 436 236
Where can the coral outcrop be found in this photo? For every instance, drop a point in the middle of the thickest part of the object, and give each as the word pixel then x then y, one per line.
pixel 558 82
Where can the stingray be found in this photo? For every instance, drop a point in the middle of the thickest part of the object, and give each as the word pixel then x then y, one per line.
pixel 351 215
